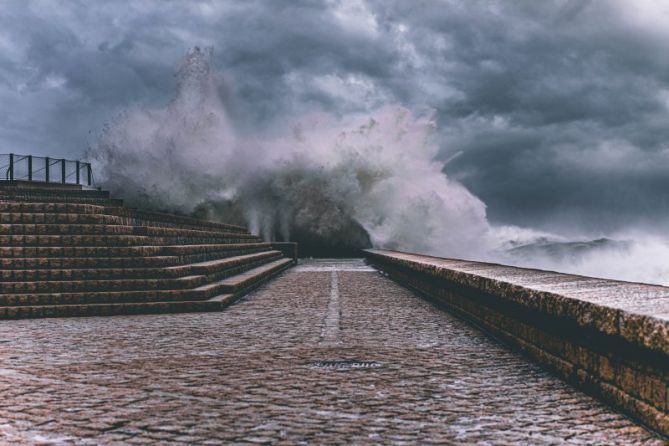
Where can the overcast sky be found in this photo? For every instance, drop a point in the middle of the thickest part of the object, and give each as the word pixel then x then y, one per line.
pixel 556 114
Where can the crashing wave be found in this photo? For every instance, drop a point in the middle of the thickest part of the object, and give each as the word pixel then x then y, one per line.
pixel 331 184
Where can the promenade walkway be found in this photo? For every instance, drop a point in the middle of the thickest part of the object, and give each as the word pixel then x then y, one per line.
pixel 329 352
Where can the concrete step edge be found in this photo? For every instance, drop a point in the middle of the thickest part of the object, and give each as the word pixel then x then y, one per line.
pixel 40 311
pixel 240 281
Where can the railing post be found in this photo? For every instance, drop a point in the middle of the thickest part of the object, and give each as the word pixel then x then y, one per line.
pixel 62 169
pixel 90 174
pixel 11 167
pixel 30 167
pixel 78 168
pixel 47 163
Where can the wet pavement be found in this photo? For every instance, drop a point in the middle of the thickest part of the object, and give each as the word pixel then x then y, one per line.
pixel 329 352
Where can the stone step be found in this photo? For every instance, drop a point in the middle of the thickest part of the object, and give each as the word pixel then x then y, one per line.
pixel 60 304
pixel 214 266
pixel 182 232
pixel 236 285
pixel 136 302
pixel 117 240
pixel 18 263
pixel 63 274
pixel 150 218
pixel 65 229
pixel 74 286
pixel 105 219
pixel 12 206
pixel 22 207
pixel 60 218
pixel 41 186
pixel 34 198
pixel 66 207
pixel 185 250
pixel 246 280
pixel 102 229
pixel 123 251
pixel 107 309
pixel 215 255
pixel 8 191
pixel 218 270
pixel 98 297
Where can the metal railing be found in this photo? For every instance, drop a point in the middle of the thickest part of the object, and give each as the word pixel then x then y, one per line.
pixel 43 169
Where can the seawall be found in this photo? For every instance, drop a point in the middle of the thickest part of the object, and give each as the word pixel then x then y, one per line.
pixel 609 338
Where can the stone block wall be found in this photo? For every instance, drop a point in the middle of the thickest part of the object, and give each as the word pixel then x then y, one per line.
pixel 66 251
pixel 607 337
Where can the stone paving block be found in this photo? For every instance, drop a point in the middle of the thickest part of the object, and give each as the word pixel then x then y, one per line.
pixel 248 371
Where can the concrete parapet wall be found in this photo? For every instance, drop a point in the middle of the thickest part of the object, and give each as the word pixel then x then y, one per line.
pixel 609 338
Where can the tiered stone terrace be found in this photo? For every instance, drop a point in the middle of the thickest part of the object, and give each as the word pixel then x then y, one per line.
pixel 65 251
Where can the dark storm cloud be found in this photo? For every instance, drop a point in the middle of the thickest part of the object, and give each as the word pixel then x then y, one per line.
pixel 558 110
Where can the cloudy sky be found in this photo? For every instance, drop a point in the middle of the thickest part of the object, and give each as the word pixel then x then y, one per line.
pixel 556 114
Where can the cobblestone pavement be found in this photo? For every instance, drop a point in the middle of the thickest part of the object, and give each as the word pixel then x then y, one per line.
pixel 258 373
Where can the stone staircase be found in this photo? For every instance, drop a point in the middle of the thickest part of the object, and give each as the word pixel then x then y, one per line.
pixel 66 251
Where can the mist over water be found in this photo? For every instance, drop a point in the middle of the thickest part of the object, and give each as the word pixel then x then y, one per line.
pixel 625 256
pixel 332 183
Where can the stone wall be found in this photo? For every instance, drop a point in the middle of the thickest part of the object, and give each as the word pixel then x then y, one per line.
pixel 609 338
pixel 66 251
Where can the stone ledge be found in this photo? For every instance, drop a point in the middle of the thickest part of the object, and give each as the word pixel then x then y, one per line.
pixel 637 312
pixel 610 338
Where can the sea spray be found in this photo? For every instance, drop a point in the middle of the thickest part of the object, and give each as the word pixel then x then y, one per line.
pixel 333 184
pixel 624 256
pixel 359 181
